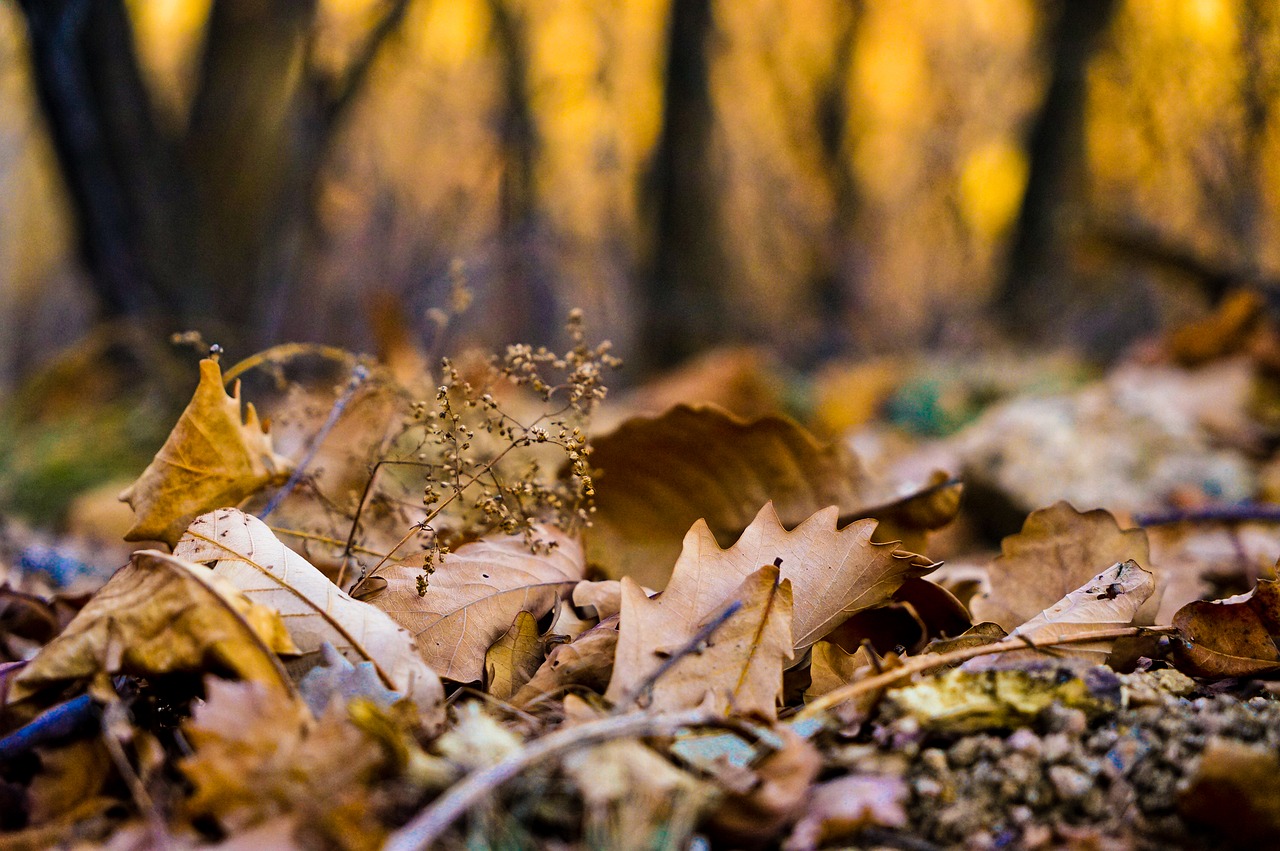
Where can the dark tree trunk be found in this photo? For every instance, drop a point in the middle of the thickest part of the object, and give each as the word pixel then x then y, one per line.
pixel 683 296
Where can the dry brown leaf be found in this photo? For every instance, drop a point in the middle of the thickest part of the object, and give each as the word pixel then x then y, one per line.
pixel 739 671
pixel 587 661
pixel 1233 790
pixel 159 614
pixel 212 459
pixel 474 595
pixel 242 550
pixel 1113 598
pixel 1237 637
pixel 69 774
pixel 1205 560
pixel 842 807
pixel 782 793
pixel 258 753
pixel 834 573
pixel 513 658
pixel 605 596
pixel 657 476
pixel 1058 550
pixel 831 666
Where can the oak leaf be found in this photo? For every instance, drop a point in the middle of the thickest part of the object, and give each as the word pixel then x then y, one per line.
pixel 513 658
pixel 833 572
pixel 157 615
pixel 475 593
pixel 242 550
pixel 657 476
pixel 1236 637
pixel 212 459
pixel 1058 550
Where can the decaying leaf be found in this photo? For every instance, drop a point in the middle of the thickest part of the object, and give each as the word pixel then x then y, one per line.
pixel 258 753
pixel 1237 637
pixel 157 615
pixel 243 551
pixel 779 795
pixel 474 595
pixel 842 807
pixel 513 658
pixel 587 661
pixel 212 459
pixel 657 476
pixel 1058 550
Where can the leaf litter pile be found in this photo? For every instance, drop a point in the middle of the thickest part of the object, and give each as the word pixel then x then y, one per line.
pixel 444 610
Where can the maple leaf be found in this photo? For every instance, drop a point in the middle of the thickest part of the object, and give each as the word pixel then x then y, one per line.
pixel 212 459
pixel 1236 637
pixel 1058 550
pixel 656 476
pixel 833 573
pixel 474 595
pixel 160 614
pixel 242 550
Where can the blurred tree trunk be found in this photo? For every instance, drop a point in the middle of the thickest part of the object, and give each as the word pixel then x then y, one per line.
pixel 684 309
pixel 199 224
pixel 1055 147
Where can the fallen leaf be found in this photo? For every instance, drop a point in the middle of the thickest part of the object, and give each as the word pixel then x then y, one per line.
pixel 473 597
pixel 1237 637
pixel 75 772
pixel 336 677
pixel 157 615
pixel 258 753
pixel 604 596
pixel 739 671
pixel 780 796
pixel 243 551
pixel 1058 550
pixel 1206 560
pixel 587 661
pixel 657 476
pixel 841 808
pixel 833 572
pixel 513 658
pixel 212 459
pixel 1233 791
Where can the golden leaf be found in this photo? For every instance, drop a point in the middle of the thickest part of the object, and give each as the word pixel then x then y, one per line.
pixel 513 658
pixel 244 552
pixel 585 661
pixel 212 459
pixel 160 614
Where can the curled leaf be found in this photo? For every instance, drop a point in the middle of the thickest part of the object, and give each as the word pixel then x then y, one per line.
pixel 513 658
pixel 1238 637
pixel 212 459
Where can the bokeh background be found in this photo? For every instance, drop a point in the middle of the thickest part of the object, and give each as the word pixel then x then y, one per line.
pixel 819 177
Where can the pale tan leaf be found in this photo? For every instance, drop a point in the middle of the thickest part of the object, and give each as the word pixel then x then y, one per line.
pixel 212 459
pixel 587 661
pixel 243 551
pixel 513 658
pixel 474 594
pixel 1058 550
pixel 157 615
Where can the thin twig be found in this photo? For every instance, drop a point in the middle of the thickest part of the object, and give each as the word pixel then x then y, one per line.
pixel 923 663
pixel 425 829
pixel 115 714
pixel 1257 512
pixel 693 645
pixel 358 376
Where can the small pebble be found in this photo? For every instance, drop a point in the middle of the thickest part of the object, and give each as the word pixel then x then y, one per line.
pixel 1068 783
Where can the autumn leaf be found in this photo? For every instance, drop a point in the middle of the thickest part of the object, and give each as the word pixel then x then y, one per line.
pixel 513 658
pixel 212 459
pixel 243 551
pixel 1233 789
pixel 1058 550
pixel 841 808
pixel 739 670
pixel 258 753
pixel 1237 637
pixel 657 476
pixel 586 661
pixel 474 595
pixel 157 615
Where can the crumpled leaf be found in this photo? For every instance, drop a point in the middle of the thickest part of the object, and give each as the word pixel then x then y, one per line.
pixel 243 551
pixel 657 476
pixel 258 753
pixel 474 595
pixel 211 459
pixel 1058 550
pixel 1236 637
pixel 842 807
pixel 587 661
pixel 513 658
pixel 157 615
pixel 1233 790
pixel 740 671
pixel 834 573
